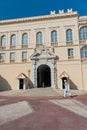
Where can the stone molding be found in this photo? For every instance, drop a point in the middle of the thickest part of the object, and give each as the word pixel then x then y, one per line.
pixel 39 18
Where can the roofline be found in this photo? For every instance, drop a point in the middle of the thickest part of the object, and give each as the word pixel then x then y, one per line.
pixel 39 18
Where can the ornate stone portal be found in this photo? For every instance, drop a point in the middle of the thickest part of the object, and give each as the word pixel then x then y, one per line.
pixel 43 59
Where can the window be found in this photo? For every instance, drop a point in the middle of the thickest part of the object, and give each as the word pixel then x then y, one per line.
pixel 70 52
pixel 24 56
pixel 39 38
pixel 3 41
pixel 25 39
pixel 2 57
pixel 86 72
pixel 53 36
pixel 83 33
pixel 12 56
pixel 13 40
pixel 69 37
pixel 84 52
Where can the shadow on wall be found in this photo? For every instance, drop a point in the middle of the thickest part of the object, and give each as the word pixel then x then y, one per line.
pixel 29 84
pixel 72 85
pixel 4 85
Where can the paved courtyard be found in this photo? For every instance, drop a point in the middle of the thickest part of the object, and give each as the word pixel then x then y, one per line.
pixel 44 109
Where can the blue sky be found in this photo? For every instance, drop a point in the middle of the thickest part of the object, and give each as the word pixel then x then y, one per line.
pixel 10 9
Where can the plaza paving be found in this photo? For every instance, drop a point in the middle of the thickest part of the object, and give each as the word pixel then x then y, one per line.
pixel 73 106
pixel 43 109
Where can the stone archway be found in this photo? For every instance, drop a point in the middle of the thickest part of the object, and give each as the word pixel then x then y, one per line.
pixel 43 76
pixel 44 60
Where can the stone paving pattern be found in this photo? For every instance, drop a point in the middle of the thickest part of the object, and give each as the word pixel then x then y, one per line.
pixel 14 111
pixel 73 106
pixel 46 115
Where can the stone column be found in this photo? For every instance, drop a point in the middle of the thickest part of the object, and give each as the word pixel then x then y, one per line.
pixel 35 77
pixel 34 74
pixel 54 74
pixel 55 78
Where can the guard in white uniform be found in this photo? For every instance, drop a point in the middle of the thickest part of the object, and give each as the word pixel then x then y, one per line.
pixel 66 89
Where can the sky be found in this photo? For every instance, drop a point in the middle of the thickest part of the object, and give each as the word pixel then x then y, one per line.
pixel 10 9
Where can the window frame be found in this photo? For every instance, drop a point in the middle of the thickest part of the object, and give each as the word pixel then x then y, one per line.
pixel 54 37
pixel 83 52
pixel 24 56
pixel 12 56
pixel 25 39
pixel 69 35
pixel 13 40
pixel 39 38
pixel 83 33
pixel 70 52
pixel 2 58
pixel 3 41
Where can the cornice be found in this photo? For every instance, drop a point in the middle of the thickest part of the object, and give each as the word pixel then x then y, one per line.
pixel 83 19
pixel 39 18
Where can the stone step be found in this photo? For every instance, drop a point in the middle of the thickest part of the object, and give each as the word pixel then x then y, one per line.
pixel 31 92
pixel 40 92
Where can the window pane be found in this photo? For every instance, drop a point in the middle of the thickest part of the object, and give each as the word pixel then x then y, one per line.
pixel 70 52
pixel 24 55
pixel 13 40
pixel 54 36
pixel 3 41
pixel 83 33
pixel 25 39
pixel 69 35
pixel 12 56
pixel 84 52
pixel 39 37
pixel 2 56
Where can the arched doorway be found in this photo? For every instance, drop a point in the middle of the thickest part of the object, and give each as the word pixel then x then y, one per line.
pixel 43 76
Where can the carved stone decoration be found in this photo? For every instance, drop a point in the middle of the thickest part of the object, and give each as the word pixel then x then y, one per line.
pixel 43 56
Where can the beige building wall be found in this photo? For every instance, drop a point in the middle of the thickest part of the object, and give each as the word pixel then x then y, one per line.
pixel 73 67
pixel 84 75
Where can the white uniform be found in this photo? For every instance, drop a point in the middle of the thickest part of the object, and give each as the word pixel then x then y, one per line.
pixel 66 90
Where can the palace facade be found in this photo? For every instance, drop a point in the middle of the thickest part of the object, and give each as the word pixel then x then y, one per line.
pixel 43 51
